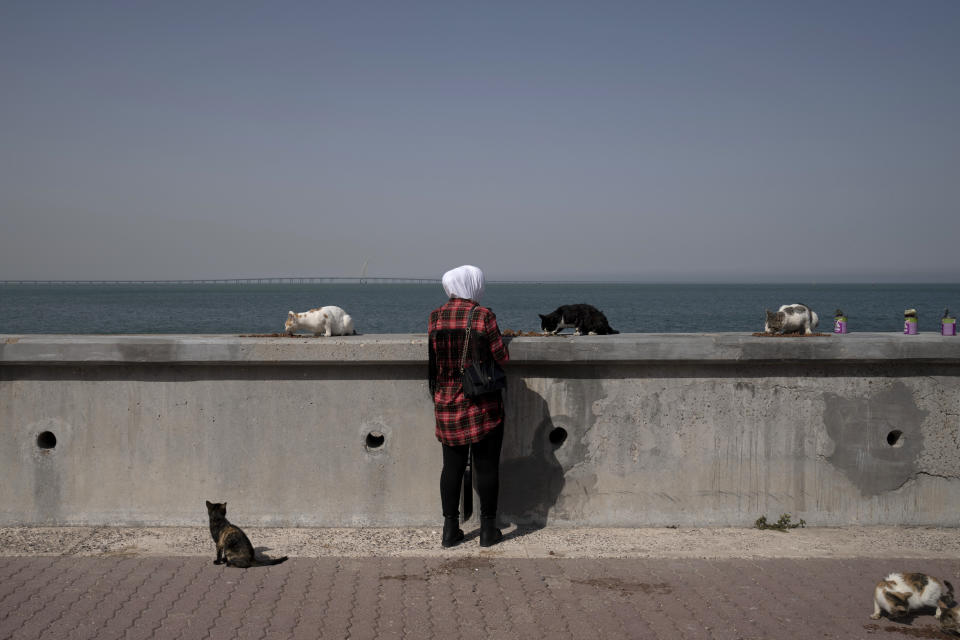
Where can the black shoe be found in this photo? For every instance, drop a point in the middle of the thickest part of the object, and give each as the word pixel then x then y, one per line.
pixel 489 534
pixel 452 533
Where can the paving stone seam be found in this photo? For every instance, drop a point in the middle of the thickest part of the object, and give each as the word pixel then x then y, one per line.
pixel 26 565
pixel 503 596
pixel 266 600
pixel 369 599
pixel 562 577
pixel 378 611
pixel 648 623
pixel 303 597
pixel 173 605
pixel 719 612
pixel 507 584
pixel 100 573
pixel 354 588
pixel 56 572
pixel 777 594
pixel 159 589
pixel 433 585
pixel 63 611
pixel 131 594
pixel 528 592
pixel 616 615
pixel 744 615
pixel 421 565
pixel 282 592
pixel 226 601
pixel 479 602
pixel 404 618
pixel 523 588
pixel 261 577
pixel 15 590
pixel 333 588
pixel 339 570
pixel 679 597
pixel 458 609
pixel 199 602
pixel 120 604
pixel 556 603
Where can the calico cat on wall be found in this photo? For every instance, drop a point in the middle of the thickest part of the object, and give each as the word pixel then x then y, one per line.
pixel 585 319
pixel 233 545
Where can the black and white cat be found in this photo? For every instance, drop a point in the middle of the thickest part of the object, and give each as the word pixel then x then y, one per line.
pixel 791 318
pixel 585 319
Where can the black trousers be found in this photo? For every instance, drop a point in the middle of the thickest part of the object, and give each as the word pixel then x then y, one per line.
pixel 486 468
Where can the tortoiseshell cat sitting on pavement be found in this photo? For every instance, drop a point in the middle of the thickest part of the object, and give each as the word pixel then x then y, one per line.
pixel 233 545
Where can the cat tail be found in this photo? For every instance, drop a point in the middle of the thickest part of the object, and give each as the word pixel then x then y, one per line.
pixel 266 562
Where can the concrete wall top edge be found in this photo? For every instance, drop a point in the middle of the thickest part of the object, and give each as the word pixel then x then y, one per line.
pixel 411 349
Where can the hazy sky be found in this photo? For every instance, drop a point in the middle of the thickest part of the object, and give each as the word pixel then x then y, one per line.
pixel 699 141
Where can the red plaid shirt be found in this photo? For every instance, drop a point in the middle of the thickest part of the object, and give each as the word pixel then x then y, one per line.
pixel 459 419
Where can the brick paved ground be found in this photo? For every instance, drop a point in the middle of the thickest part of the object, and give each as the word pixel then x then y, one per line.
pixel 463 597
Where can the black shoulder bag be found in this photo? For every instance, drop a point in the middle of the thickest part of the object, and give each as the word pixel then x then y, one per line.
pixel 484 375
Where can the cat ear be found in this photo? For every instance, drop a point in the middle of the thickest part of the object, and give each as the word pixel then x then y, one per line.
pixel 209 504
pixel 541 316
pixel 291 314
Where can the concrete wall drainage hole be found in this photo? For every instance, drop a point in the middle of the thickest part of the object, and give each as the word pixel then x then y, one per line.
pixel 375 440
pixel 46 440
pixel 895 438
pixel 558 436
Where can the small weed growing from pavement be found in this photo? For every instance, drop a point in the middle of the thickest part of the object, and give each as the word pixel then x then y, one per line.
pixel 783 524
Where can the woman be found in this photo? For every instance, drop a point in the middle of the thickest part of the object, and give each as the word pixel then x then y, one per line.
pixel 462 422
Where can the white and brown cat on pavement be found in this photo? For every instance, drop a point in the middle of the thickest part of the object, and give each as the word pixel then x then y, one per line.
pixel 900 593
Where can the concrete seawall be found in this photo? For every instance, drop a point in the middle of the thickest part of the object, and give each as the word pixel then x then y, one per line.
pixel 627 430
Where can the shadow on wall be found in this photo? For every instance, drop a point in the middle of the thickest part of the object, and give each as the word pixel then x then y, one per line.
pixel 531 477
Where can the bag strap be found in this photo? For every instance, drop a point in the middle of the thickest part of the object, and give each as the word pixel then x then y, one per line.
pixel 466 339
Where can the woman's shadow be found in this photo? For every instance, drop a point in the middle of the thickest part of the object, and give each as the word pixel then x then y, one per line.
pixel 531 477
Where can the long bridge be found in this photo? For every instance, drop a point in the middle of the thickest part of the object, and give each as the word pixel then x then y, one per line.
pixel 239 281
pixel 278 280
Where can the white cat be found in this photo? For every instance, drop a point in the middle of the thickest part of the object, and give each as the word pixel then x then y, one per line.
pixel 329 321
pixel 791 318
pixel 900 593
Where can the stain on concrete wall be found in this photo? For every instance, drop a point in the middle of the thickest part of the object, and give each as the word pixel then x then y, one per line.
pixel 39 442
pixel 877 439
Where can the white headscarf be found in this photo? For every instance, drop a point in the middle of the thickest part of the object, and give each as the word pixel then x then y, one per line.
pixel 464 282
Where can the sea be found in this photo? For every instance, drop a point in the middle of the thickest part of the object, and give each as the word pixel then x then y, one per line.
pixel 253 308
